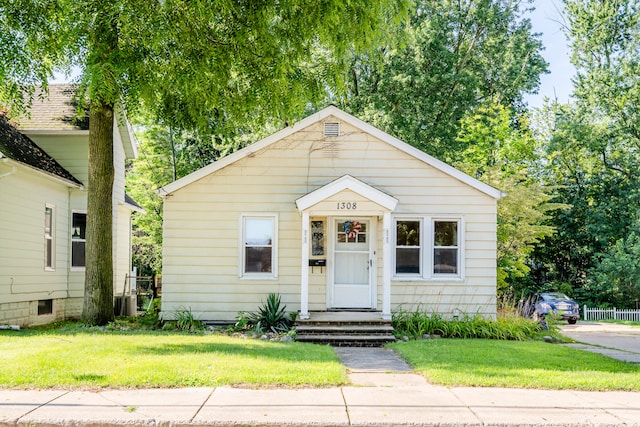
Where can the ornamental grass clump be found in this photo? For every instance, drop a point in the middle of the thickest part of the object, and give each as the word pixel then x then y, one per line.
pixel 184 321
pixel 416 325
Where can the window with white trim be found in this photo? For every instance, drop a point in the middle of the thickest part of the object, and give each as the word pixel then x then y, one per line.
pixel 408 248
pixel 49 237
pixel 427 247
pixel 259 246
pixel 78 240
pixel 445 247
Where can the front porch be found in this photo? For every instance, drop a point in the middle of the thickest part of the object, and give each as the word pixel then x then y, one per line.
pixel 346 228
pixel 345 328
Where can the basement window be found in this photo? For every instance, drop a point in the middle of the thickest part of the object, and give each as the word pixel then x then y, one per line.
pixel 331 129
pixel 45 306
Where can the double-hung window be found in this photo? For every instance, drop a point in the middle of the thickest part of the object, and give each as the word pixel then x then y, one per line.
pixel 445 247
pixel 49 237
pixel 78 240
pixel 408 247
pixel 427 248
pixel 258 257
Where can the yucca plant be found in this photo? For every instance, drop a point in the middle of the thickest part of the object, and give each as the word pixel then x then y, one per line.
pixel 271 316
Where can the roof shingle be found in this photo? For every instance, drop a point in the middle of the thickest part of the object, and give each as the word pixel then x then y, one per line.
pixel 57 110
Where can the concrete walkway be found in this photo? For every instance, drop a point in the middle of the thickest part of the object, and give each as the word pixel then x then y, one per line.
pixel 382 394
pixel 613 340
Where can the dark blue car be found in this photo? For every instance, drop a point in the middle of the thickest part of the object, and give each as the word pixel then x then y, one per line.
pixel 557 304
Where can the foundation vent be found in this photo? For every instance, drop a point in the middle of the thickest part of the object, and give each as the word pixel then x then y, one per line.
pixel 331 129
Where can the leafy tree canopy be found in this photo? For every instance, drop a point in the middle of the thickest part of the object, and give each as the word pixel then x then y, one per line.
pixel 456 55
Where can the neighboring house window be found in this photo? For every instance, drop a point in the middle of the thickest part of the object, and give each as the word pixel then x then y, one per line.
pixel 259 247
pixel 45 306
pixel 427 248
pixel 49 236
pixel 78 242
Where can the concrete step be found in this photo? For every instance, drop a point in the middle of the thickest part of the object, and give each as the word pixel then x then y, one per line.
pixel 345 340
pixel 345 329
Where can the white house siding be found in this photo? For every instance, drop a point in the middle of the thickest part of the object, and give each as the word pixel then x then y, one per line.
pixel 23 277
pixel 201 225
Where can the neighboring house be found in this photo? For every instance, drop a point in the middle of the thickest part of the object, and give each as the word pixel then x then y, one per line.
pixel 332 214
pixel 43 191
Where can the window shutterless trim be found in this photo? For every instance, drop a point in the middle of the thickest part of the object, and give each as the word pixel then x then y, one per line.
pixel 50 237
pixel 248 275
pixel 71 240
pixel 458 247
pixel 427 247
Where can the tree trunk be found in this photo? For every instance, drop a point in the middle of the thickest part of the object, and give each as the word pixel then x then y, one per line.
pixel 98 288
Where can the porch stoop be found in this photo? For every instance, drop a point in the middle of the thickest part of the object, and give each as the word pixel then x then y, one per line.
pixel 345 329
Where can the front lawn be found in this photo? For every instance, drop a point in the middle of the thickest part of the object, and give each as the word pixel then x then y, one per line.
pixel 140 360
pixel 518 364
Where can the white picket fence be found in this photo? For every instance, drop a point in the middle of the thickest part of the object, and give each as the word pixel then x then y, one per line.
pixel 610 314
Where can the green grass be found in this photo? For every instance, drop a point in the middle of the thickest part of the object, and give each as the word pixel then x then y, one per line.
pixel 517 364
pixel 55 358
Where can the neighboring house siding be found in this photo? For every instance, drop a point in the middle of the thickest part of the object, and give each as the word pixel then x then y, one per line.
pixel 71 151
pixel 122 250
pixel 24 278
pixel 121 215
pixel 59 145
pixel 78 203
pixel 201 220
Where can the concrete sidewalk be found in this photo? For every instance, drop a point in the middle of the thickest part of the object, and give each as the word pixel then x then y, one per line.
pixel 384 392
pixel 415 403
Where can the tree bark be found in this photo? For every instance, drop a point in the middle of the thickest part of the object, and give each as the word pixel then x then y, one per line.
pixel 98 294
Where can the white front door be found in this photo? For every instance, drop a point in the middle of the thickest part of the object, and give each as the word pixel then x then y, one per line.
pixel 352 264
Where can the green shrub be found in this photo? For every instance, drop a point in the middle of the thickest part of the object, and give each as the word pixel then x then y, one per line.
pixel 417 324
pixel 151 318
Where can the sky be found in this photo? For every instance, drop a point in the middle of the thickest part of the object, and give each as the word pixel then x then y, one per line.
pixel 546 19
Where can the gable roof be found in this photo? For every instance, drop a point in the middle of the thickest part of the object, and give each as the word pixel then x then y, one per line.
pixel 346 182
pixel 20 148
pixel 319 117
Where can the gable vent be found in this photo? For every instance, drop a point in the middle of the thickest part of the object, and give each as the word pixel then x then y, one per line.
pixel 331 129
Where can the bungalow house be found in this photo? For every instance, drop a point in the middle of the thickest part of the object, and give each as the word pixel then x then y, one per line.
pixel 43 188
pixel 333 215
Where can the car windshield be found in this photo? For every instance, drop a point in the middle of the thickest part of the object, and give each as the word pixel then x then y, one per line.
pixel 554 296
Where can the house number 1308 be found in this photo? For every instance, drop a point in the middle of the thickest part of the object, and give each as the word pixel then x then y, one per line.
pixel 347 205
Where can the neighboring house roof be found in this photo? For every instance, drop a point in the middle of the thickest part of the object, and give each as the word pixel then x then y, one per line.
pixel 318 117
pixel 20 148
pixel 132 204
pixel 55 111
